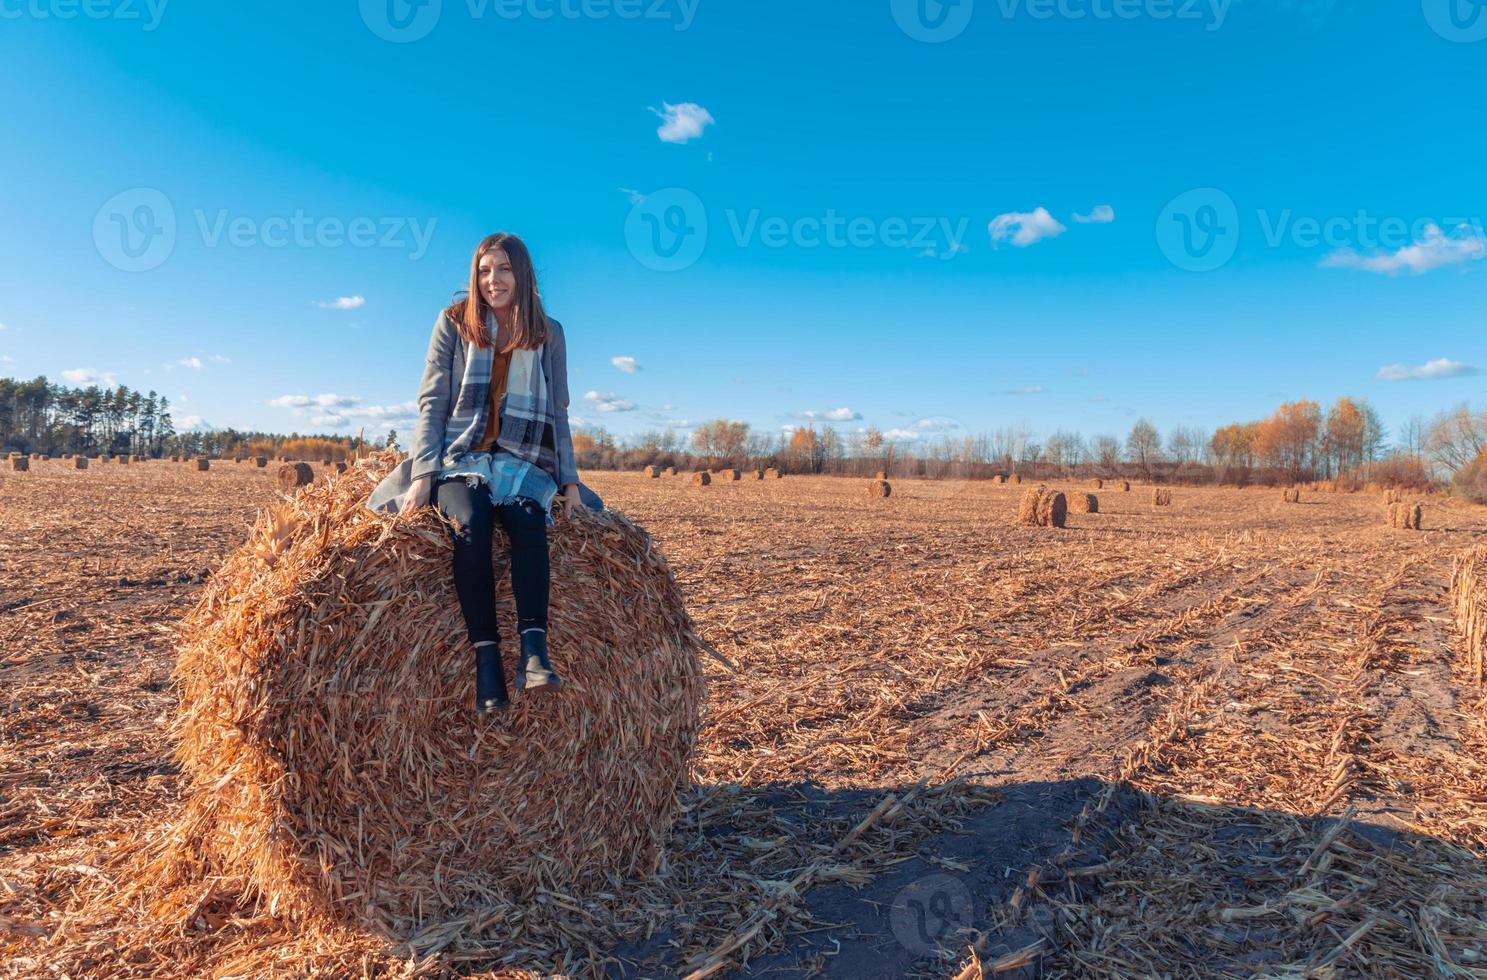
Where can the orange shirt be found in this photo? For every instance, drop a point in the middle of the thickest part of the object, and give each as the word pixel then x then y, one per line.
pixel 500 365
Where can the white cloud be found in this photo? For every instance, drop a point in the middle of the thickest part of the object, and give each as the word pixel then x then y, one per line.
pixel 219 359
pixel 901 435
pixel 3 327
pixel 88 376
pixel 1102 214
pixel 1433 251
pixel 1025 228
pixel 194 363
pixel 331 421
pixel 627 364
pixel 6 359
pixel 608 401
pixel 831 415
pixel 680 424
pixel 682 122
pixel 343 303
pixel 291 401
pixel 936 424
pixel 1435 370
pixel 1029 390
pixel 187 422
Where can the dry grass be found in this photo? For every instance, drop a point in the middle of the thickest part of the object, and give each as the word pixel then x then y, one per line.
pixel 1469 596
pixel 1286 743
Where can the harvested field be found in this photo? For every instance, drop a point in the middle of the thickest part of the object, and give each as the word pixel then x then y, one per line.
pixel 1218 739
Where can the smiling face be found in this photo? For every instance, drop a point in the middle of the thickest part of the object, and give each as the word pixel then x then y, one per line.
pixel 497 281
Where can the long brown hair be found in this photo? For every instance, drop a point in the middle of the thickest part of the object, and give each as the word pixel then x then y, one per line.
pixel 529 330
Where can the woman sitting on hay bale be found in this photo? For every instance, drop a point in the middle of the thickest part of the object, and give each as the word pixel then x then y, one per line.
pixel 498 451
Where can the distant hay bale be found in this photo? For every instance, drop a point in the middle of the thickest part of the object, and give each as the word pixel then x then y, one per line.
pixel 203 464
pixel 669 471
pixel 758 474
pixel 1161 498
pixel 292 475
pixel 1016 478
pixel 301 719
pixel 1084 503
pixel 175 457
pixel 260 461
pixel 880 488
pixel 79 462
pixel 1292 496
pixel 701 478
pixel 1125 486
pixel 20 464
pixel 729 474
pixel 1469 599
pixel 999 479
pixel 1405 517
pixel 880 475
pixel 123 460
pixel 1042 507
pixel 772 474
pixel 654 472
pixel 1097 484
pixel 45 458
pixel 1393 497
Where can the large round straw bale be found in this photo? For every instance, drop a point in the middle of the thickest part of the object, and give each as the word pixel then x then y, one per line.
pixel 260 461
pixel 880 488
pixel 772 474
pixel 1161 498
pixel 1097 484
pixel 80 462
pixel 123 460
pixel 293 475
pixel 1084 503
pixel 20 464
pixel 1292 496
pixel 729 474
pixel 758 474
pixel 702 478
pixel 1016 478
pixel 45 458
pixel 327 732
pixel 1125 486
pixel 999 479
pixel 654 472
pixel 669 471
pixel 203 464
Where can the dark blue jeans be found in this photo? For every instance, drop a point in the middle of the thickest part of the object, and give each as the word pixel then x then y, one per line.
pixel 475 517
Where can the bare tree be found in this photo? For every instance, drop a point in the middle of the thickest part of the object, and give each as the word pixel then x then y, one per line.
pixel 1144 445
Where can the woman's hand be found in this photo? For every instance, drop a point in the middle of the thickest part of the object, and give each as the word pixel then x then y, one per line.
pixel 571 500
pixel 417 495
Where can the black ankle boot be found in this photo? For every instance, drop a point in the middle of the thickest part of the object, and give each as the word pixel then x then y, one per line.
pixel 490 681
pixel 536 673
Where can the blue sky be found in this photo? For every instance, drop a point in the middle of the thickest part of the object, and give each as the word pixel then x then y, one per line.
pixel 780 212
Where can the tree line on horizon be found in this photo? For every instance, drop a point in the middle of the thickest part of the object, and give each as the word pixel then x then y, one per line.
pixel 1298 442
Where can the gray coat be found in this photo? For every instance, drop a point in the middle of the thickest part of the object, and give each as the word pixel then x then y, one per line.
pixel 434 447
